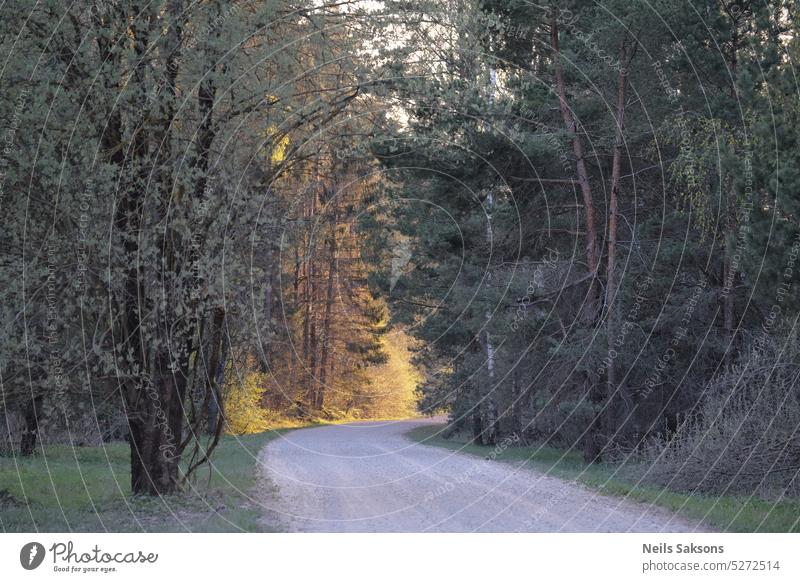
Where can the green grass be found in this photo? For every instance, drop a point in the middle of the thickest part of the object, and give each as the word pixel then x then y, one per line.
pixel 88 489
pixel 725 513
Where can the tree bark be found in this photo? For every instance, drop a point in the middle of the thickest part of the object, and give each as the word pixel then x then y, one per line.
pixel 611 275
pixel 156 425
pixel 477 425
pixel 592 254
pixel 310 324
pixel 326 326
pixel 729 281
pixel 215 369
pixel 589 312
pixel 139 389
pixel 729 239
pixel 33 409
pixel 487 403
pixel 156 394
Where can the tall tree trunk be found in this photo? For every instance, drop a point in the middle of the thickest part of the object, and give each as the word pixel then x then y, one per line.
pixel 589 314
pixel 729 239
pixel 310 324
pixel 613 209
pixel 308 310
pixel 313 341
pixel 326 326
pixel 139 392
pixel 488 404
pixel 155 399
pixel 487 401
pixel 264 355
pixel 571 125
pixel 294 360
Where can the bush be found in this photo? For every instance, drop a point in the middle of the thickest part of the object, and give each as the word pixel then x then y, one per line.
pixel 744 438
pixel 242 398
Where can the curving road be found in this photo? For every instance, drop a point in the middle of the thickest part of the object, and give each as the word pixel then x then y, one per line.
pixel 367 477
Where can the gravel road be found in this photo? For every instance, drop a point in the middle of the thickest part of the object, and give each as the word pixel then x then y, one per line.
pixel 368 477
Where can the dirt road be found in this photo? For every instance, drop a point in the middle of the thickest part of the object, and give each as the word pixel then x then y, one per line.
pixel 368 477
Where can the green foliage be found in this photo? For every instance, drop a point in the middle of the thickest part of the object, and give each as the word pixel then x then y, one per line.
pixel 85 490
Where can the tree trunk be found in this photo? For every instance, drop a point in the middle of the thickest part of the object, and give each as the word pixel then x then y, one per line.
pixel 589 312
pixel 215 369
pixel 729 240
pixel 154 471
pixel 308 314
pixel 156 431
pixel 477 425
pixel 154 393
pixel 592 254
pixel 212 412
pixel 728 282
pixel 611 275
pixel 488 405
pixel 516 404
pixel 33 409
pixel 309 323
pixel 326 325
pixel 487 402
pixel 313 343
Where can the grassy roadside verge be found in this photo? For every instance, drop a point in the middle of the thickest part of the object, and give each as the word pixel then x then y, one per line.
pixel 88 489
pixel 725 513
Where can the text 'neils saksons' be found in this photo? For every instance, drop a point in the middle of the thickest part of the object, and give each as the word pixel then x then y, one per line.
pixel 664 548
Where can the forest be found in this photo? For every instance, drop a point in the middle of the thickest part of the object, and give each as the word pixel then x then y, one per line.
pixel 570 223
